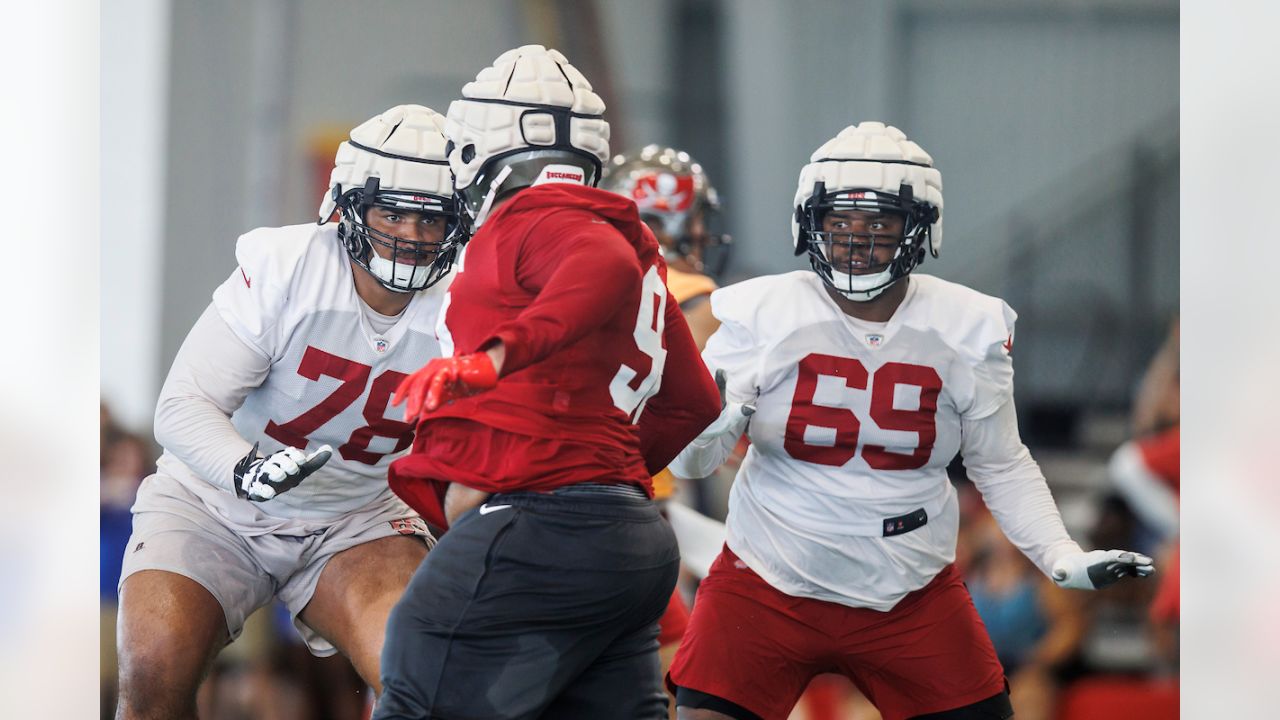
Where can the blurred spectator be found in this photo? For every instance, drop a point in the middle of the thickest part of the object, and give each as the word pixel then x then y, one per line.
pixel 327 688
pixel 1166 613
pixel 1147 471
pixel 1117 639
pixel 1156 406
pixel 125 462
pixel 124 459
pixel 1036 627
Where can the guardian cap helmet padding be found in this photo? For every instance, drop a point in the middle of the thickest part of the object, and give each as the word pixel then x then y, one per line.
pixel 394 160
pixel 870 167
pixel 529 118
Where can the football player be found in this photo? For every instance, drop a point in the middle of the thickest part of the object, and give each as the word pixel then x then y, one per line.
pixel 866 379
pixel 678 202
pixel 573 378
pixel 277 431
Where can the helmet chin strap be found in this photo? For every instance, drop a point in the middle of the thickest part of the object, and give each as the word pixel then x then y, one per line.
pixel 487 205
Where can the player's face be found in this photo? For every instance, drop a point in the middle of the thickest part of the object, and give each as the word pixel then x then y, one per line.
pixel 697 227
pixel 659 232
pixel 861 242
pixel 408 225
pixel 696 230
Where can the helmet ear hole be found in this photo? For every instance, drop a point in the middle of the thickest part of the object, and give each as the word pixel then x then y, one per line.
pixel 468 153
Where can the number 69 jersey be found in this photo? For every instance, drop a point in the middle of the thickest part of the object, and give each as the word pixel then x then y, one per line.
pixel 843 495
pixel 334 364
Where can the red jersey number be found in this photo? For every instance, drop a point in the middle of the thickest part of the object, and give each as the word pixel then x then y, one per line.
pixel 846 424
pixel 354 378
pixel 629 389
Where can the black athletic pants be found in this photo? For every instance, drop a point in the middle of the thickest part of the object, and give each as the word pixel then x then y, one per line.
pixel 536 605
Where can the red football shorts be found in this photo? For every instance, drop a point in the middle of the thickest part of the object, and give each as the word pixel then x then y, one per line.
pixel 672 624
pixel 757 647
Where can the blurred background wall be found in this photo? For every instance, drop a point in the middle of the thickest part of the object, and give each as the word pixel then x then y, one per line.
pixel 1054 125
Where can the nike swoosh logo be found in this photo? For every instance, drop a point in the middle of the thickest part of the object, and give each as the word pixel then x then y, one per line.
pixel 486 509
pixel 246 278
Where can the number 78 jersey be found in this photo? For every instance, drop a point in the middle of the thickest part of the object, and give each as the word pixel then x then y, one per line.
pixel 333 369
pixel 856 421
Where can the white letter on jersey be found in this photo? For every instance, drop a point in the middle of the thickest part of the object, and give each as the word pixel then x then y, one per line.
pixel 650 319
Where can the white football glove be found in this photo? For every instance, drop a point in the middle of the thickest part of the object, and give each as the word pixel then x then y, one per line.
pixel 733 417
pixel 1097 569
pixel 260 479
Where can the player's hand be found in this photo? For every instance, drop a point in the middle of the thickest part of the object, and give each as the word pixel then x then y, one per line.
pixel 444 380
pixel 259 479
pixel 1099 568
pixel 733 416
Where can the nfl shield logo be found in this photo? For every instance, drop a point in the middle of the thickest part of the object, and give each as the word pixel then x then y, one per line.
pixel 875 340
pixel 380 345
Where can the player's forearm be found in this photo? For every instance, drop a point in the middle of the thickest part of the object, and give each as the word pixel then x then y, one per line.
pixel 1025 511
pixel 1014 489
pixel 202 437
pixel 212 374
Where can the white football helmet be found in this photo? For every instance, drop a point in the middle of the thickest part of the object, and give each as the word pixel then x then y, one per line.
pixel 395 160
pixel 529 118
pixel 670 189
pixel 870 167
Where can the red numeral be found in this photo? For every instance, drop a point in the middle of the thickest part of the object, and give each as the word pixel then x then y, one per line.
pixel 354 379
pixel 921 422
pixel 883 388
pixel 804 413
pixel 357 448
pixel 315 362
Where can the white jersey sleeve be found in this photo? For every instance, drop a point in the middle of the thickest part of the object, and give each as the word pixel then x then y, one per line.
pixel 252 299
pixel 731 348
pixel 1014 489
pixel 211 376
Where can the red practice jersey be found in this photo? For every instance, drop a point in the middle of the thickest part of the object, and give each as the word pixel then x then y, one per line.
pixel 602 381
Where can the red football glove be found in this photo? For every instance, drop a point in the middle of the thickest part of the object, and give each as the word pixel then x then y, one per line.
pixel 444 380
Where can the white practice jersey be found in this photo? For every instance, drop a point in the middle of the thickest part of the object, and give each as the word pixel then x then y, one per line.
pixel 332 369
pixel 856 423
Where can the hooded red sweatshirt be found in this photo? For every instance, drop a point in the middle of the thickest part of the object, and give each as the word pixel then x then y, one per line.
pixel 602 381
